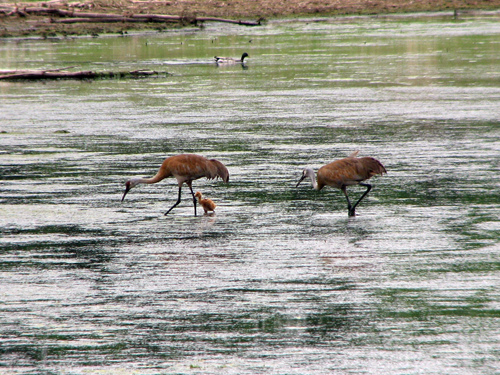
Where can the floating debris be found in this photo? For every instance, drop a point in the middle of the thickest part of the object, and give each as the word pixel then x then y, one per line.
pixel 64 74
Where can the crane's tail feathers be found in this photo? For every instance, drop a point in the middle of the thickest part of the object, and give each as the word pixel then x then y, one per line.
pixel 222 171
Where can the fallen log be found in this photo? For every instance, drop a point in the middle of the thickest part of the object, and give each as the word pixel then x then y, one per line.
pixel 75 17
pixel 20 71
pixel 95 20
pixel 148 18
pixel 34 75
pixel 60 74
pixel 63 13
pixel 163 18
pixel 239 22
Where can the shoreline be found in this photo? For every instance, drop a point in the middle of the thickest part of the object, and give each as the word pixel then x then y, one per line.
pixel 39 19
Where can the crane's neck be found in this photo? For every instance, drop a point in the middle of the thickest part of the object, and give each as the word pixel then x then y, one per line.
pixel 310 173
pixel 151 180
pixel 136 181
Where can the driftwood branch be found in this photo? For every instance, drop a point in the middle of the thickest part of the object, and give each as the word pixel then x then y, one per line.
pixel 71 16
pixel 62 74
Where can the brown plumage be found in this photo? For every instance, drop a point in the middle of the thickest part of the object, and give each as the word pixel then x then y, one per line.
pixel 206 203
pixel 345 172
pixel 185 168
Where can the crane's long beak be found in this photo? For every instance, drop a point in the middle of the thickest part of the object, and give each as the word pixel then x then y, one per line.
pixel 127 188
pixel 301 179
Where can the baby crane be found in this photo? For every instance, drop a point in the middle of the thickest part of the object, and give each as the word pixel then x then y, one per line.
pixel 206 203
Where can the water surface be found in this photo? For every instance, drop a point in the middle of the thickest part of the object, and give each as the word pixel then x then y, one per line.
pixel 279 280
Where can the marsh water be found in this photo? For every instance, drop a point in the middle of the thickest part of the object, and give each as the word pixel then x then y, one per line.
pixel 279 280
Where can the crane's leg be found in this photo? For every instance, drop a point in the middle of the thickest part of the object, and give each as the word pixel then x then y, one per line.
pixel 368 188
pixel 194 198
pixel 349 206
pixel 176 203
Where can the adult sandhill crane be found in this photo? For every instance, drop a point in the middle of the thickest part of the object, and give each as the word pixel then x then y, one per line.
pixel 230 60
pixel 206 203
pixel 346 172
pixel 185 168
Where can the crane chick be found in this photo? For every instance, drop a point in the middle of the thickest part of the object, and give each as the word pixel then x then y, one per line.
pixel 206 203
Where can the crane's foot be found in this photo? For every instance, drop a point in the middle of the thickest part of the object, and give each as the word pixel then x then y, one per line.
pixel 351 210
pixel 166 213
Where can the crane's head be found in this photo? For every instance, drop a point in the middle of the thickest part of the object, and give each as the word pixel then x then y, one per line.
pixel 308 172
pixel 129 185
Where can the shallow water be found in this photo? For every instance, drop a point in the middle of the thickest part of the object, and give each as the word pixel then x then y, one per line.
pixel 279 280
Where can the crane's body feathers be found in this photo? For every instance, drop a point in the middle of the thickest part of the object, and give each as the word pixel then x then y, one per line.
pixel 346 172
pixel 185 168
pixel 189 167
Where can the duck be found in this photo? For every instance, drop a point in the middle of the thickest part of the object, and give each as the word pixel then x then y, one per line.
pixel 207 204
pixel 230 60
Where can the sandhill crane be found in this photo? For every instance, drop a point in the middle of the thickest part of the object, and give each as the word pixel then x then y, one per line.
pixel 230 60
pixel 206 203
pixel 345 172
pixel 185 168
